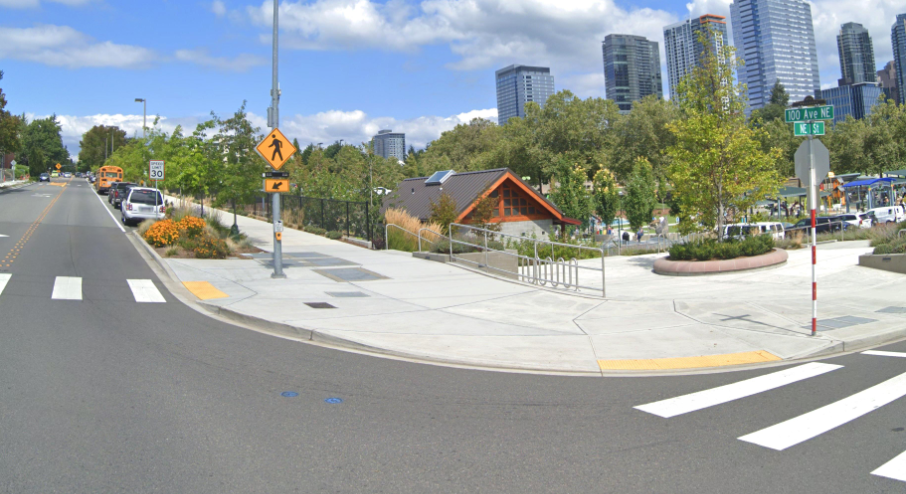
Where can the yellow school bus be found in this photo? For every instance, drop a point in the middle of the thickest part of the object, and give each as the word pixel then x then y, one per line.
pixel 107 175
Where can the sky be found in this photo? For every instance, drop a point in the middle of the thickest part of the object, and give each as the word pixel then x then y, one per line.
pixel 347 67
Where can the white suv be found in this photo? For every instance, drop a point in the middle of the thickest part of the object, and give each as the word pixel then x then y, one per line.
pixel 142 203
pixel 887 214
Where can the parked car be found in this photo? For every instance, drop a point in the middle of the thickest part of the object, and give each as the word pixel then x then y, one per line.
pixel 67 175
pixel 823 224
pixel 856 219
pixel 887 214
pixel 44 178
pixel 92 179
pixel 142 203
pixel 117 193
pixel 740 230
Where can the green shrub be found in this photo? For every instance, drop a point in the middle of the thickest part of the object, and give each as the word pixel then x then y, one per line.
pixel 316 230
pixel 172 251
pixel 443 247
pixel 208 247
pixel 334 235
pixel 707 249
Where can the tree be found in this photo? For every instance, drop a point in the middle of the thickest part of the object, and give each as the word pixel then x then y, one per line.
pixel 42 144
pixel 242 167
pixel 884 143
pixel 643 132
pixel 461 148
pixel 95 146
pixel 606 195
pixel 640 199
pixel 9 127
pixel 718 164
pixel 568 190
pixel 484 212
pixel 443 212
pixel 775 108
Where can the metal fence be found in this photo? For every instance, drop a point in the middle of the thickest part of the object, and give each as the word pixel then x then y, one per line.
pixel 538 269
pixel 353 218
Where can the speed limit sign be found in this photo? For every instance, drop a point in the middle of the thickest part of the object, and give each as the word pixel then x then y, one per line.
pixel 156 170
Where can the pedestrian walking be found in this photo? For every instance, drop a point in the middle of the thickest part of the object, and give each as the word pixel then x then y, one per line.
pixel 638 235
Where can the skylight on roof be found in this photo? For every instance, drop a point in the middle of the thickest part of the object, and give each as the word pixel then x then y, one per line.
pixel 439 177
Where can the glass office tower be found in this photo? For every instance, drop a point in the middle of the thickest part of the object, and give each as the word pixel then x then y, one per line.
pixel 519 84
pixel 776 40
pixel 898 39
pixel 682 48
pixel 632 69
pixel 857 56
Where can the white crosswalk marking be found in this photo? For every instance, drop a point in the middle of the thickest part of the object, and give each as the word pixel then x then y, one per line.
pixel 67 288
pixel 723 394
pixel 145 291
pixel 4 279
pixel 893 469
pixel 816 422
pixel 882 353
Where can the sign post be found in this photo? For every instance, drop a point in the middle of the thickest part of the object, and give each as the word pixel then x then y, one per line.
pixel 812 166
pixel 156 172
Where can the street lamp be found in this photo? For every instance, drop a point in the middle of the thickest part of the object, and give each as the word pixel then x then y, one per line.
pixel 144 103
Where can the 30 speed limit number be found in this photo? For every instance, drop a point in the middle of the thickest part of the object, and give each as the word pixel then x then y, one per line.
pixel 156 170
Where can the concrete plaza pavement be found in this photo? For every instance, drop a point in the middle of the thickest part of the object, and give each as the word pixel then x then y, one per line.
pixel 394 304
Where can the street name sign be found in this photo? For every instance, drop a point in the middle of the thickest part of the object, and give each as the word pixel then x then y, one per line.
pixel 822 160
pixel 808 128
pixel 275 185
pixel 810 113
pixel 156 169
pixel 275 149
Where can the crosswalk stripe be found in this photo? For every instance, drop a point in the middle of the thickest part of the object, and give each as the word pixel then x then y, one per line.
pixel 884 354
pixel 4 279
pixel 893 469
pixel 723 394
pixel 67 288
pixel 145 291
pixel 816 422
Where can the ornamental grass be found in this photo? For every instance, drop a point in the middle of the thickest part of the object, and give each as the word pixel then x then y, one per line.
pixel 408 240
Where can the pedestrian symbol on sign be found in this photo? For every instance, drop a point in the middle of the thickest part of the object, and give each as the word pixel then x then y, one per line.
pixel 276 144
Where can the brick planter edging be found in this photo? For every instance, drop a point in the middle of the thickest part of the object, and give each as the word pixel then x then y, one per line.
pixel 695 268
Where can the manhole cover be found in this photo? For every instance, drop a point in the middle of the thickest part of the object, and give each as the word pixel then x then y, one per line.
pixel 350 274
pixel 346 294
pixel 319 305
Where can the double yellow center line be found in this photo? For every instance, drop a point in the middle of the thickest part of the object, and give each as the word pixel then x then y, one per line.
pixel 7 261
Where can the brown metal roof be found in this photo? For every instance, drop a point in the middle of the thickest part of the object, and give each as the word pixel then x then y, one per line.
pixel 415 197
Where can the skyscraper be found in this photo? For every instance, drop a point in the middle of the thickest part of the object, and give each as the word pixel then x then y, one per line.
pixel 390 144
pixel 852 99
pixel 683 50
pixel 857 56
pixel 776 40
pixel 519 84
pixel 898 39
pixel 888 79
pixel 632 69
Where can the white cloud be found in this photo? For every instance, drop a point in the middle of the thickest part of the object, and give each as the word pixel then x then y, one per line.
pixel 218 8
pixel 356 127
pixel 583 85
pixel 240 63
pixel 63 46
pixel 483 33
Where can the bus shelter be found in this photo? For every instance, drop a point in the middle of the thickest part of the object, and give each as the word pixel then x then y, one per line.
pixel 870 193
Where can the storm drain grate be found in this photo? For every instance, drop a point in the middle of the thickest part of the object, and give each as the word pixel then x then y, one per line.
pixel 840 322
pixel 319 305
pixel 893 310
pixel 346 294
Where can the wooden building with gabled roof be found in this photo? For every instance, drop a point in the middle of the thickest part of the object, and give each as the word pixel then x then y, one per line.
pixel 520 208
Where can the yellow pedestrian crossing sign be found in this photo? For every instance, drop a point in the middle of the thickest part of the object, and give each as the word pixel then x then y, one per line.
pixel 58 166
pixel 275 149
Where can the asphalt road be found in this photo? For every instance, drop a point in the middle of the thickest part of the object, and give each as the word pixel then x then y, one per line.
pixel 107 395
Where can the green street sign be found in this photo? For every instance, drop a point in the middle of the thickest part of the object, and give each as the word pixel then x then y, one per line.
pixel 811 113
pixel 806 129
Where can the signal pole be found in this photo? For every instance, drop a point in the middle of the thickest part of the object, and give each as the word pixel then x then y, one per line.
pixel 274 122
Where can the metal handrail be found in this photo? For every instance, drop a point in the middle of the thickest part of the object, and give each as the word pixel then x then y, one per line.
pixel 387 238
pixel 901 232
pixel 539 271
pixel 420 230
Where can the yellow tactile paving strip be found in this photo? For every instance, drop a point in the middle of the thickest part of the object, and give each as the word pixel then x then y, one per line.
pixel 7 261
pixel 755 357
pixel 204 290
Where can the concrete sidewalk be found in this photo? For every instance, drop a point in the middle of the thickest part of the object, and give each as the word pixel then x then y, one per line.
pixel 391 303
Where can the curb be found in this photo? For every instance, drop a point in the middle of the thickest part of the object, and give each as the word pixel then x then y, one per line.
pixel 312 336
pixel 664 266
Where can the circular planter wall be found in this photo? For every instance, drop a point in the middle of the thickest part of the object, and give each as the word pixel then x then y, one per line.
pixel 694 268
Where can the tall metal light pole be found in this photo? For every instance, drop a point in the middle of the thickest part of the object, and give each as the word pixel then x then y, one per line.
pixel 274 121
pixel 144 103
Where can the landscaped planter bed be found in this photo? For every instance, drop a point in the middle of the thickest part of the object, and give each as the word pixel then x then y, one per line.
pixel 695 268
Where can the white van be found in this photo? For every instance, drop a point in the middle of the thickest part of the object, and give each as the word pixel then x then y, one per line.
pixel 740 230
pixel 887 214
